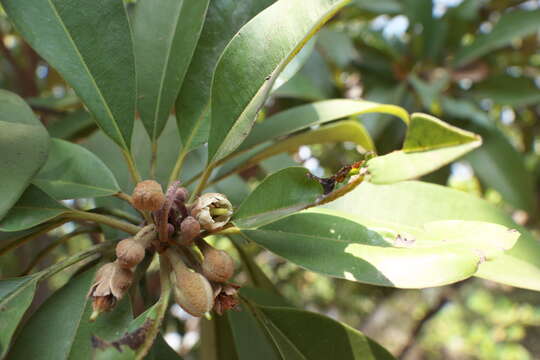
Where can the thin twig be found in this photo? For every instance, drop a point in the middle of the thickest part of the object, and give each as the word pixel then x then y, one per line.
pixel 102 219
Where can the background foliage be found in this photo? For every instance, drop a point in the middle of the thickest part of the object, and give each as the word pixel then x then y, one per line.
pixel 475 64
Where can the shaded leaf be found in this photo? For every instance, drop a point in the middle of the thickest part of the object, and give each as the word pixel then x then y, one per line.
pixel 512 25
pixel 165 37
pixel 15 297
pixel 66 315
pixel 280 194
pixel 76 125
pixel 33 208
pixel 332 245
pixel 429 145
pixel 508 90
pixel 24 144
pixel 73 172
pixel 223 19
pixel 296 63
pixel 217 342
pixel 91 47
pixel 253 60
pixel 318 337
pixel 413 203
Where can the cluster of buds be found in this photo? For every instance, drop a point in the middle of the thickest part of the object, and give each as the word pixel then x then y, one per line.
pixel 200 278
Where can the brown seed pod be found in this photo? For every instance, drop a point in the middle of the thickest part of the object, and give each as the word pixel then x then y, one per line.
pixel 129 253
pixel 121 281
pixel 192 291
pixel 217 264
pixel 148 195
pixel 189 230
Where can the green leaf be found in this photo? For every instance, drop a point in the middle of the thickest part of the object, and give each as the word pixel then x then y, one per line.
pixel 66 315
pixel 316 337
pixel 24 144
pixel 217 342
pixel 72 172
pixel 74 126
pixel 333 245
pixel 252 61
pixel 429 145
pixel 296 64
pixel 165 37
pixel 410 204
pixel 280 194
pixel 304 116
pixel 512 25
pixel 497 162
pixel 508 90
pixel 91 47
pixel 223 19
pixel 15 297
pixel 33 208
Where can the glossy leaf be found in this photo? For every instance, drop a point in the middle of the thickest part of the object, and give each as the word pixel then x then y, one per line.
pixel 411 204
pixel 33 208
pixel 15 297
pixel 24 144
pixel 223 19
pixel 304 116
pixel 429 145
pixel 66 315
pixel 317 337
pixel 330 244
pixel 296 63
pixel 280 194
pixel 165 37
pixel 253 60
pixel 347 130
pixel 73 172
pixel 512 25
pixel 91 47
pixel 217 342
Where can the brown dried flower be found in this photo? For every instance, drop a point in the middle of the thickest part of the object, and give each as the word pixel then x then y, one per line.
pixel 226 297
pixel 212 211
pixel 111 283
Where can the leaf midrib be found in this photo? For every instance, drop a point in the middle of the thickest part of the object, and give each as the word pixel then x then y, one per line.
pixel 87 69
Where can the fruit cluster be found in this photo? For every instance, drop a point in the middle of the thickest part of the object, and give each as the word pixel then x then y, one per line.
pixel 199 278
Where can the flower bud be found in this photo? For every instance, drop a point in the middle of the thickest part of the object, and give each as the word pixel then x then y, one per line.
pixel 192 291
pixel 212 211
pixel 217 265
pixel 129 253
pixel 181 195
pixel 189 230
pixel 148 195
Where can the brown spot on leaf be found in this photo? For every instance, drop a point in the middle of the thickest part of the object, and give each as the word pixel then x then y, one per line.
pixel 132 339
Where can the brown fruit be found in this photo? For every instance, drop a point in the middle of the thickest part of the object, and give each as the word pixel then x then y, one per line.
pixel 189 230
pixel 129 253
pixel 217 265
pixel 148 195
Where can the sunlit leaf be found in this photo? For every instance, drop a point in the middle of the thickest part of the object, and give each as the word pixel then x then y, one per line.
pixel 431 255
pixel 252 61
pixel 413 204
pixel 429 145
pixel 223 19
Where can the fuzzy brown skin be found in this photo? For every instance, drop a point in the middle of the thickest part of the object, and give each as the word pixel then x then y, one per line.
pixel 193 293
pixel 217 265
pixel 189 229
pixel 129 253
pixel 148 196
